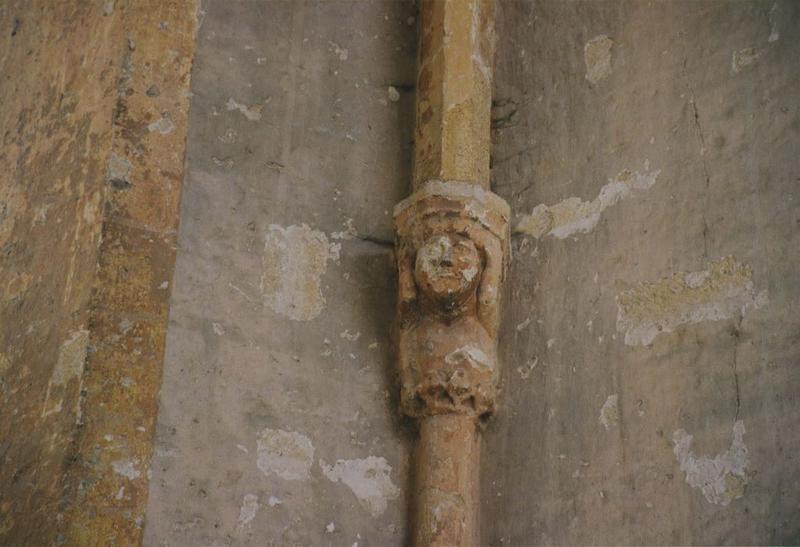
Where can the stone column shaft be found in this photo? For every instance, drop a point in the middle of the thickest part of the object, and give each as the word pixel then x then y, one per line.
pixel 452 249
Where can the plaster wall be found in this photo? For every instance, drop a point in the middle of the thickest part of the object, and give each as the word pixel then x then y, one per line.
pixel 649 345
pixel 651 339
pixel 278 418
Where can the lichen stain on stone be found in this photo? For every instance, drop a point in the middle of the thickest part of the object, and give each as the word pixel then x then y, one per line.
pixel 287 454
pixel 369 479
pixel 163 125
pixel 721 479
pixel 126 468
pixel 609 412
pixel 119 169
pixel 71 360
pixel 572 215
pixel 597 55
pixel 295 259
pixel 721 291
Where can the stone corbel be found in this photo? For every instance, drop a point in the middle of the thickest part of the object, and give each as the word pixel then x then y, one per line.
pixel 452 250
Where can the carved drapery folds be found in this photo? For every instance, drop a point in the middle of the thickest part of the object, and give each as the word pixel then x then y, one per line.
pixel 452 250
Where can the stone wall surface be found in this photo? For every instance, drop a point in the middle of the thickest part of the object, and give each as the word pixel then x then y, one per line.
pixel 93 100
pixel 279 420
pixel 57 92
pixel 649 345
pixel 650 342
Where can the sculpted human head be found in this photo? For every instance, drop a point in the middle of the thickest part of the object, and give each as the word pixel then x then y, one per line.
pixel 447 272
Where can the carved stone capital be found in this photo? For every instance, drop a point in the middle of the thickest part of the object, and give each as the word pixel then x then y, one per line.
pixel 452 251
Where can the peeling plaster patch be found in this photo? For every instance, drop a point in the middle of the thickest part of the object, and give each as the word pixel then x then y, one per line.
pixel 720 292
pixel 229 137
pixel 295 259
pixel 126 468
pixel 252 113
pixel 349 231
pixel 774 17
pixel 743 58
pixel 720 479
pixel 284 453
pixel 71 359
pixel 340 52
pixel 573 216
pixel 525 371
pixel 248 510
pixel 369 479
pixel 347 335
pixel 163 125
pixel 597 55
pixel 609 413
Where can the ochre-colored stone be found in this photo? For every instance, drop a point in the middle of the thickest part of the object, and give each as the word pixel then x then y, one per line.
pixel 452 249
pixel 454 91
pixel 108 481
pixel 90 173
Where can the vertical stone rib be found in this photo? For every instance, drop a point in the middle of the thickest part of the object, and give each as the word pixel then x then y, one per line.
pixel 454 91
pixel 452 249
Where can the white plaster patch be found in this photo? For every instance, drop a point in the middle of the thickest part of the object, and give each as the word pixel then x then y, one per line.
pixel 230 136
pixel 609 412
pixel 719 292
pixel 573 216
pixel 71 360
pixel 393 94
pixel 468 354
pixel 273 501
pixel 721 479
pixel 248 510
pixel 339 51
pixel 295 259
pixel 774 17
pixel 368 478
pixel 743 58
pixel 349 231
pixel 252 113
pixel 287 454
pixel 163 125
pixel 597 55
pixel 347 335
pixel 126 468
pixel 525 371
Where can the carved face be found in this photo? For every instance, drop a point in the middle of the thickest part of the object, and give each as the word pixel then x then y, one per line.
pixel 448 270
